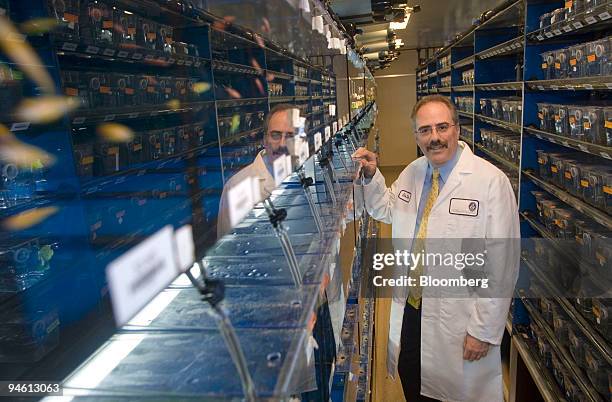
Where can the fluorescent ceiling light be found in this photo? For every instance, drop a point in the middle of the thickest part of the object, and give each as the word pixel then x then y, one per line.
pixel 400 25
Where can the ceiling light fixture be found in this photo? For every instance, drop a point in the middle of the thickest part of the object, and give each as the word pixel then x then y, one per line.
pixel 403 24
pixel 400 25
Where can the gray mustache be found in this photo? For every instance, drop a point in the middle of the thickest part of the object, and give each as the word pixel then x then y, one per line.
pixel 436 144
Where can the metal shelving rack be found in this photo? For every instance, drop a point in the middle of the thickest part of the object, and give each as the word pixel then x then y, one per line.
pixel 504 52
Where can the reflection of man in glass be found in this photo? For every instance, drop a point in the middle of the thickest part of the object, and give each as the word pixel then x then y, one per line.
pixel 278 129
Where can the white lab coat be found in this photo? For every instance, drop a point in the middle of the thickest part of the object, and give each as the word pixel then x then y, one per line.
pixel 445 321
pixel 267 185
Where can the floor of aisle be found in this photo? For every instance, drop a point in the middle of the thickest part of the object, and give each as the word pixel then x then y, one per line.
pixel 384 388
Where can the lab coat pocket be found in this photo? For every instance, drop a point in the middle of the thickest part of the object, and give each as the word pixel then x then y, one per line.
pixel 462 226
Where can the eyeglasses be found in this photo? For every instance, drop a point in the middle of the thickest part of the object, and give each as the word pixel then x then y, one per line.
pixel 440 128
pixel 278 135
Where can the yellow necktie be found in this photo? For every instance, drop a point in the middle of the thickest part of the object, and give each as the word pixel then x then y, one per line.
pixel 415 293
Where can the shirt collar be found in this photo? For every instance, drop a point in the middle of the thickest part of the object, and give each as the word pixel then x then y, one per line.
pixel 447 168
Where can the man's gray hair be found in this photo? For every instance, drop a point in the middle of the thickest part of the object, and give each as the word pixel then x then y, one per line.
pixel 439 99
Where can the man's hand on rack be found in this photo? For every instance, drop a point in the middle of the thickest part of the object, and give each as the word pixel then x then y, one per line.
pixel 368 160
pixel 474 349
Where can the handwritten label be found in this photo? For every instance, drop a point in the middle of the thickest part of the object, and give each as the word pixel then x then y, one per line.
pixel 141 273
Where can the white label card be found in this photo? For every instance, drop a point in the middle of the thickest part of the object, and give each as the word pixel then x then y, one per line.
pixel 461 206
pixel 141 273
pixel 185 249
pixel 280 169
pixel 319 24
pixel 335 126
pixel 289 164
pixel 332 110
pixel 304 152
pixel 305 6
pixel 327 133
pixel 256 190
pixel 20 126
pixel 317 141
pixel 240 200
pixel 295 118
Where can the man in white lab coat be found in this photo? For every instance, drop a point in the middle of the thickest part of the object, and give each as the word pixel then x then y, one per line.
pixel 447 348
pixel 278 128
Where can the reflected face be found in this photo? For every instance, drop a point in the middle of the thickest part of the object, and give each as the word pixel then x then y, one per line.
pixel 436 133
pixel 280 129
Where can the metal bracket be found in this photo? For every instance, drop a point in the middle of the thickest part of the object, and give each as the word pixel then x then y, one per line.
pixel 329 185
pixel 338 144
pixel 307 182
pixel 213 292
pixel 349 139
pixel 277 216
